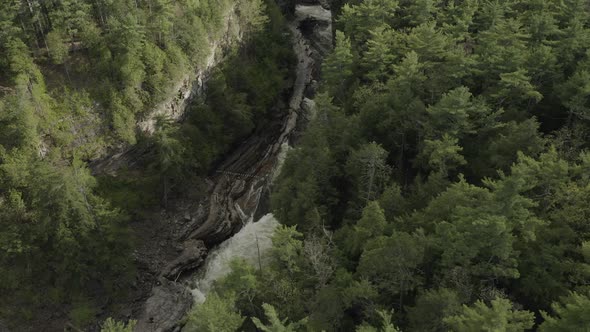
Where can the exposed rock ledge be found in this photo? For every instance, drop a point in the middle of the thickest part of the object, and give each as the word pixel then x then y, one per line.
pixel 174 107
pixel 192 84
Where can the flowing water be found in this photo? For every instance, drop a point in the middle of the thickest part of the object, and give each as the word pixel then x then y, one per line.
pixel 250 244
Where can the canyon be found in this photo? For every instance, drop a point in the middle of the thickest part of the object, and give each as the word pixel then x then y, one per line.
pixel 237 190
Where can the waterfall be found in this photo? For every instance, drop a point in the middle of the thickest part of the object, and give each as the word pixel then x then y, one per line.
pixel 253 238
pixel 255 156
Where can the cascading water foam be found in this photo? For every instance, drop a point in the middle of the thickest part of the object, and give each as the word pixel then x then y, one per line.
pixel 252 240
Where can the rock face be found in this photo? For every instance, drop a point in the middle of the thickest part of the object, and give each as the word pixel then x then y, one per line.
pixel 165 308
pixel 246 173
pixel 192 84
pixel 242 178
pixel 315 23
pixel 192 257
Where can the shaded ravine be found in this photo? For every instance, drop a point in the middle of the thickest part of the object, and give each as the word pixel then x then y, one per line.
pixel 240 182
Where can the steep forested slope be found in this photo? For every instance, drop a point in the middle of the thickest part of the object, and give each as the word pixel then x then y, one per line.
pixel 76 77
pixel 444 181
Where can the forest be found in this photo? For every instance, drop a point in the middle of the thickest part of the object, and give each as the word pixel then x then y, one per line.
pixel 76 76
pixel 441 184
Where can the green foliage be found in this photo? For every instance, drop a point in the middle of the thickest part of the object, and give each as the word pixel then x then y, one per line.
pixel 127 55
pixel 571 314
pixel 371 225
pixel 386 326
pixel 58 49
pixel 427 177
pixel 169 156
pixel 241 94
pixel 275 324
pixel 402 273
pixel 337 69
pixel 111 325
pixel 431 307
pixel 430 159
pixel 359 20
pixel 75 79
pixel 83 313
pixel 499 317
pixel 368 168
pixel 243 280
pixel 443 155
pixel 287 247
pixel 215 314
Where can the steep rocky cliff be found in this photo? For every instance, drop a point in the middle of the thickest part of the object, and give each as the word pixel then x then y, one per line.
pixel 193 82
pixel 174 107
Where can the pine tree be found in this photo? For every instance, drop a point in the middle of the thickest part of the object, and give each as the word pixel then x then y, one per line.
pixel 275 323
pixel 499 317
pixel 215 314
pixel 386 324
pixel 337 67
pixel 401 273
pixel 431 307
pixel 369 170
pixel 572 314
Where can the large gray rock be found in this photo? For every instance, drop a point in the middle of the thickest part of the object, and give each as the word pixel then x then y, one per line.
pixel 165 308
pixel 192 256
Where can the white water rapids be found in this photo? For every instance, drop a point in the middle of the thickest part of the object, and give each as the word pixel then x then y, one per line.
pixel 250 243
pixel 246 244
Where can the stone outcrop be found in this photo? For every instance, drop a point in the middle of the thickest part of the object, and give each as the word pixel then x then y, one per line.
pixel 168 304
pixel 192 257
pixel 174 107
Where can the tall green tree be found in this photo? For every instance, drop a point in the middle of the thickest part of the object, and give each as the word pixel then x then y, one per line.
pixel 337 67
pixel 401 274
pixel 571 314
pixel 369 170
pixel 501 316
pixel 275 324
pixel 215 314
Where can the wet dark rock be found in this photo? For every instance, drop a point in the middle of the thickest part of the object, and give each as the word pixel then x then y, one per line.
pixel 166 306
pixel 192 256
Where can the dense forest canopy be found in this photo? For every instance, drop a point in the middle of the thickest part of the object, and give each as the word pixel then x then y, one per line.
pixel 76 76
pixel 444 181
pixel 442 184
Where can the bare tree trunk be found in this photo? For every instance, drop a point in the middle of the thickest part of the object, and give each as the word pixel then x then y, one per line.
pixel 258 249
pixel 37 24
pixel 401 155
pixel 67 71
pixel 165 193
pixel 100 14
pixel 371 179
